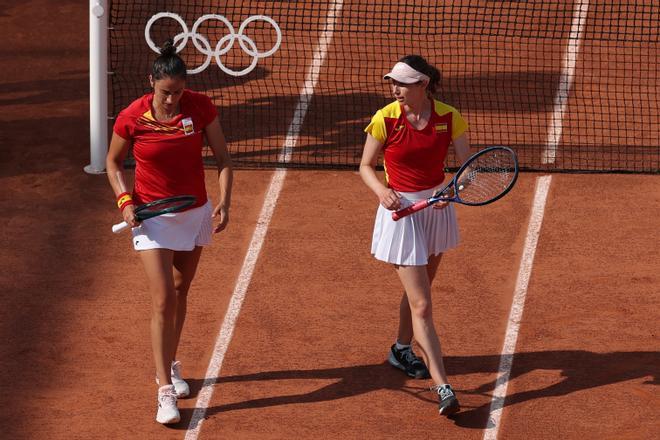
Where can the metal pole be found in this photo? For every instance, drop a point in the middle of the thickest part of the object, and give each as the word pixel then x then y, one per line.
pixel 98 85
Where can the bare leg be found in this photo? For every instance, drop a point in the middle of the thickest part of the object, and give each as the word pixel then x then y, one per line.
pixel 416 282
pixel 158 265
pixel 405 334
pixel 185 266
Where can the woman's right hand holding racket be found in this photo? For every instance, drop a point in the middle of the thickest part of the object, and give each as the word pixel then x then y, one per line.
pixel 390 199
pixel 129 216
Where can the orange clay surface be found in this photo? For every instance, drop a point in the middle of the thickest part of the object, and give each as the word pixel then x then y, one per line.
pixel 307 358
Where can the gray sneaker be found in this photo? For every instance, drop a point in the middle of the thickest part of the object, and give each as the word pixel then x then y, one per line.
pixel 406 360
pixel 448 402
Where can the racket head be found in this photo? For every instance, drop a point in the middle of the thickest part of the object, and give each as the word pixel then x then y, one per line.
pixel 164 206
pixel 486 177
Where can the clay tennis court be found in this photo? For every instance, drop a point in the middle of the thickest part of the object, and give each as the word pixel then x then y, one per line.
pixel 305 357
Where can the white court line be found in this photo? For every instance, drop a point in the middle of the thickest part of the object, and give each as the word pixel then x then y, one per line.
pixel 515 315
pixel 565 81
pixel 276 183
pixel 538 208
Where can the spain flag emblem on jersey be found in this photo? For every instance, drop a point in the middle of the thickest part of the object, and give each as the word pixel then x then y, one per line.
pixel 188 128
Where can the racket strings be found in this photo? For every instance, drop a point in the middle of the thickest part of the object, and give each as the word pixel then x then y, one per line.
pixel 486 178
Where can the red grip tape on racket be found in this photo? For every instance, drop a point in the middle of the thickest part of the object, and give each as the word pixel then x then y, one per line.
pixel 417 206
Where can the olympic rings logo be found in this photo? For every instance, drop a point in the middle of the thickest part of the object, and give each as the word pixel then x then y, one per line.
pixel 224 45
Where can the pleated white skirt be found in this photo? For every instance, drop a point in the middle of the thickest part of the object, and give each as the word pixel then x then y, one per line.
pixel 411 240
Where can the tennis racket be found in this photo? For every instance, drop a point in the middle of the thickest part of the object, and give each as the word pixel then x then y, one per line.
pixel 156 208
pixel 485 177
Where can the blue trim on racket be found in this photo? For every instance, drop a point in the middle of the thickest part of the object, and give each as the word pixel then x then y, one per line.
pixel 484 178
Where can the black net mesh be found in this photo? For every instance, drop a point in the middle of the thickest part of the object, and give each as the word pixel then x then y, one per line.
pixel 569 85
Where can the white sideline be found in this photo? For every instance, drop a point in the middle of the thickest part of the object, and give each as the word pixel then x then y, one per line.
pixel 542 186
pixel 272 194
pixel 565 81
pixel 515 315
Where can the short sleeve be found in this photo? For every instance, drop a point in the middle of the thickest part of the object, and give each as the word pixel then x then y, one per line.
pixel 123 126
pixel 209 112
pixel 459 125
pixel 376 127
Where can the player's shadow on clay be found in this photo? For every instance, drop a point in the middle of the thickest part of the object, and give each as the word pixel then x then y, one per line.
pixel 580 370
pixel 347 382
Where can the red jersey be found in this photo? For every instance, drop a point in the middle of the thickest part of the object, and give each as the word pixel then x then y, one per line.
pixel 414 159
pixel 168 155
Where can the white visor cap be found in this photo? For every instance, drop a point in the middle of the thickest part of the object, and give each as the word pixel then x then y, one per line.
pixel 405 74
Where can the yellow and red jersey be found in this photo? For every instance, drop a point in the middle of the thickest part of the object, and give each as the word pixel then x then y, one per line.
pixel 414 159
pixel 168 155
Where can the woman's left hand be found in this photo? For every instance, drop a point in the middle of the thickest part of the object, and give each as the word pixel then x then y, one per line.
pixel 440 205
pixel 222 212
pixel 443 204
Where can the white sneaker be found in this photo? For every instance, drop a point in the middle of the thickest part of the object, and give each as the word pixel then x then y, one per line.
pixel 180 385
pixel 167 410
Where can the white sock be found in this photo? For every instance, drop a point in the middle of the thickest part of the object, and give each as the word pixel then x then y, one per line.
pixel 401 346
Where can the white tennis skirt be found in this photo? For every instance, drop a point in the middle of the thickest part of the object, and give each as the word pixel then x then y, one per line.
pixel 412 239
pixel 178 231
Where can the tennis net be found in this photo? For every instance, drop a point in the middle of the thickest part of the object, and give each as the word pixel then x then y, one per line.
pixel 569 85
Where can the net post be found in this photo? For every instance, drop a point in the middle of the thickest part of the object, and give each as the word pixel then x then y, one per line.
pixel 98 85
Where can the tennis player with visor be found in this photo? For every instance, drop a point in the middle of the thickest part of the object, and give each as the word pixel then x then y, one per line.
pixel 414 134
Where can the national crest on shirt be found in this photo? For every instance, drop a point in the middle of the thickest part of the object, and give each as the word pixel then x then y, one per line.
pixel 188 128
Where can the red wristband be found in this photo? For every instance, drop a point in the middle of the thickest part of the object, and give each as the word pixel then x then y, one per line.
pixel 125 204
pixel 123 200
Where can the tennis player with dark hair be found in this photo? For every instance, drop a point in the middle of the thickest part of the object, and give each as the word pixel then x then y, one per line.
pixel 414 133
pixel 167 129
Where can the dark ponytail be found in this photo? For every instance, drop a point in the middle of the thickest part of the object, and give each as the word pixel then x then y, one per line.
pixel 168 63
pixel 418 63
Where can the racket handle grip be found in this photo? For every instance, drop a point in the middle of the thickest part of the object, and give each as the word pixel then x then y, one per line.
pixel 119 227
pixel 396 215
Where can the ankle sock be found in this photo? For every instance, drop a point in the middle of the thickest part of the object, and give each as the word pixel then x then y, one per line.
pixel 401 346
